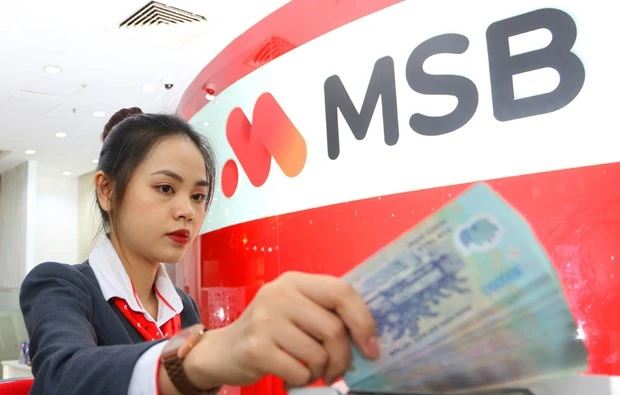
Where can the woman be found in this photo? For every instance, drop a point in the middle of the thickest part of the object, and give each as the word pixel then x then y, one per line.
pixel 101 327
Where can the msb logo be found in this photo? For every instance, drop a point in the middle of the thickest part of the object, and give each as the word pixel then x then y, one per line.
pixel 270 134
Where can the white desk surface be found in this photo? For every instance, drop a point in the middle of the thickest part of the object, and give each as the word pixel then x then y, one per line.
pixel 14 369
pixel 15 364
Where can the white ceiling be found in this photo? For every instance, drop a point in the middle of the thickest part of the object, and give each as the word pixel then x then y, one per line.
pixel 103 66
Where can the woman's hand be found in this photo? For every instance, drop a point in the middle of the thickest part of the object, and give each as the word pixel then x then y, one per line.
pixel 297 328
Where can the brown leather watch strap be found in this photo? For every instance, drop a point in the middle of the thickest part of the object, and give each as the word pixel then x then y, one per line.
pixel 175 370
pixel 174 353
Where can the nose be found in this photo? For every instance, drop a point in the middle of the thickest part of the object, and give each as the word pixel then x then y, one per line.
pixel 184 209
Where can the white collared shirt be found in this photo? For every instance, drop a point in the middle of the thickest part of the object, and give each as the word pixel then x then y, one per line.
pixel 115 282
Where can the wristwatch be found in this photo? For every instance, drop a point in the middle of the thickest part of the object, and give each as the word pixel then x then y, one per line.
pixel 173 354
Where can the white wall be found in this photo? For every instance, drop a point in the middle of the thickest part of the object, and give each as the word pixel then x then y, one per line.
pixel 17 223
pixel 43 219
pixel 57 220
pixel 38 222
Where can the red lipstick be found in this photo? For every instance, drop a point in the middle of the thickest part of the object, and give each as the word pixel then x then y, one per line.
pixel 180 236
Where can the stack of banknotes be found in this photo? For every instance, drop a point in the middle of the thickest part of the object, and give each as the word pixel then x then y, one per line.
pixel 465 301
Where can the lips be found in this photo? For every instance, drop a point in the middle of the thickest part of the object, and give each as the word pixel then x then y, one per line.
pixel 180 232
pixel 180 236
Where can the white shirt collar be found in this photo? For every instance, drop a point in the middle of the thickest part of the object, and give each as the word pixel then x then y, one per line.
pixel 114 282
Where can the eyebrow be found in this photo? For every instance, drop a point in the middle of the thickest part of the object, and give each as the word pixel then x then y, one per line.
pixel 171 174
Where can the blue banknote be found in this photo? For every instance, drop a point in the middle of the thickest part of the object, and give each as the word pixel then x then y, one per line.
pixel 531 305
pixel 473 268
pixel 522 343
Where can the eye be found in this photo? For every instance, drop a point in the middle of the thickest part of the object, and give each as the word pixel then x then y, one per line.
pixel 199 197
pixel 166 189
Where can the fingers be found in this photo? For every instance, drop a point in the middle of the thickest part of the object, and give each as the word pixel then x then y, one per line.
pixel 301 346
pixel 307 318
pixel 335 294
pixel 286 367
pixel 326 327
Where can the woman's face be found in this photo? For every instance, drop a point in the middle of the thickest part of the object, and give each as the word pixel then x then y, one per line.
pixel 164 204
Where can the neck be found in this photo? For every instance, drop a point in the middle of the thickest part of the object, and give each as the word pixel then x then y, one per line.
pixel 142 274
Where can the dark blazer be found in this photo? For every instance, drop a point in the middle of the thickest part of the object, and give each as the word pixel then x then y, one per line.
pixel 80 343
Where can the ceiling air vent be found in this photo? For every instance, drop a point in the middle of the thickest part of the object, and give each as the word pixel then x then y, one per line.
pixel 4 153
pixel 269 50
pixel 154 13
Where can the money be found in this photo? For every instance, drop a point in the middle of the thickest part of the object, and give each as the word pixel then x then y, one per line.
pixel 467 299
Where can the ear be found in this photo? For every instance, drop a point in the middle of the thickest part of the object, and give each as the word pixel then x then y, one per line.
pixel 103 187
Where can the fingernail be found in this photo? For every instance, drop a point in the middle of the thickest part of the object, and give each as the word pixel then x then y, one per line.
pixel 373 347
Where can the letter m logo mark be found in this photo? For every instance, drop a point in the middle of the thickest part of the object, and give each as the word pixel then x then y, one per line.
pixel 270 134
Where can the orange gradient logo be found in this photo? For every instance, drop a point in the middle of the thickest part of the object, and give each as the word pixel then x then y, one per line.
pixel 270 134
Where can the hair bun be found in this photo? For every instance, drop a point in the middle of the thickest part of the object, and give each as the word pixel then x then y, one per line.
pixel 117 118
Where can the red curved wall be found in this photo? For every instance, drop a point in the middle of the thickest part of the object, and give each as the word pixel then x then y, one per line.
pixel 575 211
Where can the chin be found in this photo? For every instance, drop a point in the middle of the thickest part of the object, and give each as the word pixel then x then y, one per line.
pixel 171 255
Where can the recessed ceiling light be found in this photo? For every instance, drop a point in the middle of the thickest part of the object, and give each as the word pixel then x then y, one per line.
pixel 60 134
pixel 66 173
pixel 95 160
pixel 30 152
pixel 149 88
pixel 99 114
pixel 52 69
pixel 205 123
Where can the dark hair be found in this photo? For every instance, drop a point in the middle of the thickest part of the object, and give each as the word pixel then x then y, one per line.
pixel 129 136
